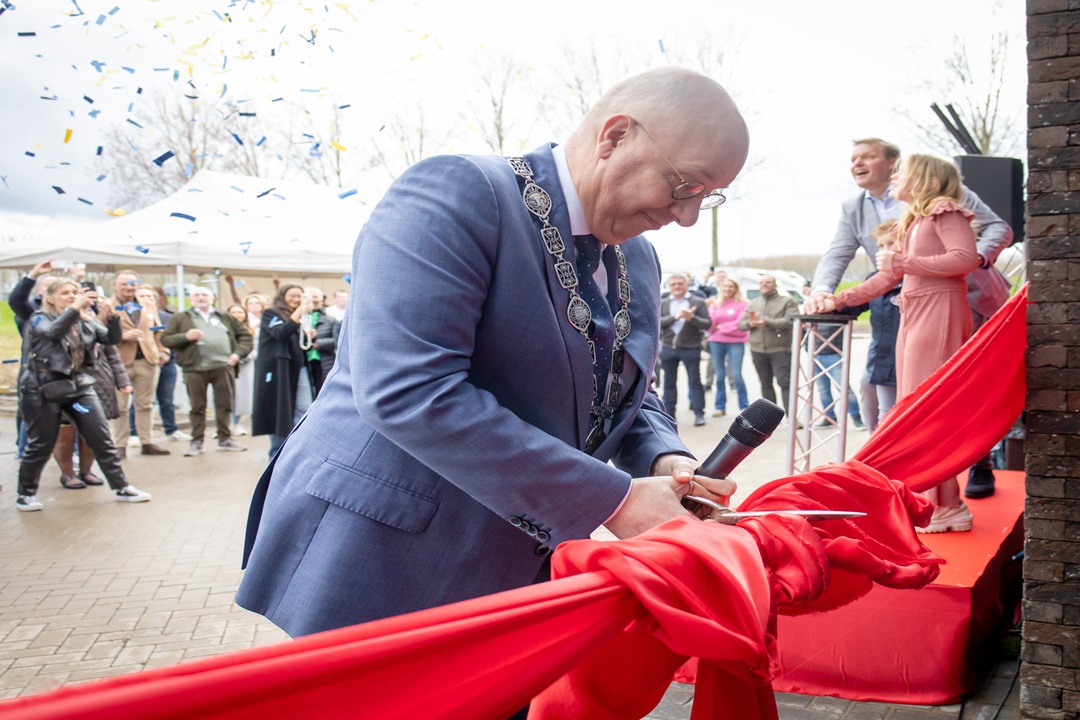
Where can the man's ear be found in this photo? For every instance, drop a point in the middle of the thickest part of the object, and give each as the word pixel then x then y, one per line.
pixel 613 132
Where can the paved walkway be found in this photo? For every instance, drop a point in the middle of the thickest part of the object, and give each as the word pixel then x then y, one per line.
pixel 91 588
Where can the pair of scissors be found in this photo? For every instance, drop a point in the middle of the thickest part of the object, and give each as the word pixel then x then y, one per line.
pixel 727 516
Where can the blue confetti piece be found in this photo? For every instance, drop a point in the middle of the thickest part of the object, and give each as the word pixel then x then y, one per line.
pixel 223 89
pixel 131 71
pixel 101 20
pixel 28 34
pixel 347 278
pixel 342 107
pixel 59 190
pixel 662 46
pixel 188 169
pixel 84 200
pixel 138 91
pixel 80 12
pixel 97 65
pixel 12 361
pixel 159 161
pixel 88 99
pixel 30 154
pixel 245 246
pixel 261 141
pixel 134 123
pixel 99 149
pixel 183 216
pixel 94 113
pixel 247 114
pixel 143 250
pixel 237 138
pixel 100 178
pixel 237 189
pixel 157 328
pixel 277 99
pixel 80 408
pixel 54 97
pixel 240 283
pixel 265 193
pixel 37 320
pixel 114 10
pixel 347 193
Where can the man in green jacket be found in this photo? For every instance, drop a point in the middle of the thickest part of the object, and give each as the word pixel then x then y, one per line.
pixel 208 345
pixel 768 318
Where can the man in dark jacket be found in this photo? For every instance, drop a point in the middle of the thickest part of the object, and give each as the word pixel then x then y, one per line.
pixel 684 320
pixel 321 355
pixel 208 344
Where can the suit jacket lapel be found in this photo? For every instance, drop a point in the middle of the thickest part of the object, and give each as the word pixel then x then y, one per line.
pixel 546 176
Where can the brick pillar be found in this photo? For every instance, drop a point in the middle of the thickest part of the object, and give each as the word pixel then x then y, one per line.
pixel 1050 673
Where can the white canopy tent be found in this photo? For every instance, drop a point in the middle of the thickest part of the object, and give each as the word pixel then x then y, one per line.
pixel 234 224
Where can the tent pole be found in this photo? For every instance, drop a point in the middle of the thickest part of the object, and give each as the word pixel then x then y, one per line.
pixel 179 288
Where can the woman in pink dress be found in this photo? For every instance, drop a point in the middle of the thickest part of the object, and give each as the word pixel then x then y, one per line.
pixel 726 340
pixel 936 251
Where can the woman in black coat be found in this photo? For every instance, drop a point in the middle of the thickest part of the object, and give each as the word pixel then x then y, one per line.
pixel 283 387
pixel 58 351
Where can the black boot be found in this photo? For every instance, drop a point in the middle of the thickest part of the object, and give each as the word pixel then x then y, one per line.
pixel 980 482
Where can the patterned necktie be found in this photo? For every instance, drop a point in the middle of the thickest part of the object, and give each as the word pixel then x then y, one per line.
pixel 603 329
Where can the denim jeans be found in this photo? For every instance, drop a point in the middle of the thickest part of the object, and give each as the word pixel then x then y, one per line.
pixel 734 352
pixel 670 358
pixel 825 383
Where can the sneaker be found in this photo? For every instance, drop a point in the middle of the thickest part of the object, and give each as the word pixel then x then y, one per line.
pixel 718 413
pixel 856 420
pixel 238 430
pixel 955 519
pixel 699 420
pixel 194 448
pixel 132 494
pixel 980 482
pixel 231 445
pixel 826 423
pixel 178 436
pixel 28 503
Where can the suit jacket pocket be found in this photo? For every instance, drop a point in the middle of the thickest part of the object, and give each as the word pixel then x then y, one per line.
pixel 371 497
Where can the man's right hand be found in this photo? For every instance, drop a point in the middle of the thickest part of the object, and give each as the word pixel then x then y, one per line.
pixel 131 334
pixel 818 303
pixel 194 334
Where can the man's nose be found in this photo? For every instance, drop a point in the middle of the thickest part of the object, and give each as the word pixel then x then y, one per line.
pixel 686 212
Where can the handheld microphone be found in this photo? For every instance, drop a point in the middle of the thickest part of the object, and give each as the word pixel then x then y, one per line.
pixel 753 426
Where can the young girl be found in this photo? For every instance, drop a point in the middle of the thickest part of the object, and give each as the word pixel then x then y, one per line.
pixel 936 250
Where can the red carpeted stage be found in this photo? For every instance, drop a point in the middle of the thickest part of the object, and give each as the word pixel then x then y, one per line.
pixel 913 646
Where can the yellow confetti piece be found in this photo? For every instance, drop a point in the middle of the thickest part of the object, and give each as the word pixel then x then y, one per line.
pixel 67 135
pixel 417 56
pixel 346 9
pixel 337 146
pixel 118 212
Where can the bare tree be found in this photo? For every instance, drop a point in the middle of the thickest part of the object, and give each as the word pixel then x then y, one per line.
pixel 975 89
pixel 405 139
pixel 490 110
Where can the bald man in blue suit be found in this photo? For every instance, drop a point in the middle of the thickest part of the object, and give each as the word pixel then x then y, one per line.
pixel 460 436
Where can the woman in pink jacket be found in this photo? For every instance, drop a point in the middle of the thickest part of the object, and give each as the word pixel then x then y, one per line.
pixel 727 341
pixel 937 251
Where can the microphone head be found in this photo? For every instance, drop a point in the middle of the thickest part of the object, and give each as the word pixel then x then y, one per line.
pixel 756 424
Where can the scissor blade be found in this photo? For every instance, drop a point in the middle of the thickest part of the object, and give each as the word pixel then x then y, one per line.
pixel 810 515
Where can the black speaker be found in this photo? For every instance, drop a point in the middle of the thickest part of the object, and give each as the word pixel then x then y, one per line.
pixel 999 181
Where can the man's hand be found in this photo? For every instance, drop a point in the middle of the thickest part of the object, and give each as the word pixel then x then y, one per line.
pixel 194 335
pixel 41 268
pixel 233 360
pixel 818 303
pixel 754 319
pixel 685 314
pixel 131 334
pixel 126 390
pixel 655 500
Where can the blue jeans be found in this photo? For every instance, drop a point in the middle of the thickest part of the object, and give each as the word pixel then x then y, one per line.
pixel 735 353
pixel 691 359
pixel 832 377
pixel 303 402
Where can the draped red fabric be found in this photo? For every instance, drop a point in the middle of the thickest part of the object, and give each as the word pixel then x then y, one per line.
pixel 605 638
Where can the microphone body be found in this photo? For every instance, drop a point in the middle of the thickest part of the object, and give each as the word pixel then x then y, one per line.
pixel 751 428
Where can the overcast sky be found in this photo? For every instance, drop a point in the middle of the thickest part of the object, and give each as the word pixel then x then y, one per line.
pixel 811 77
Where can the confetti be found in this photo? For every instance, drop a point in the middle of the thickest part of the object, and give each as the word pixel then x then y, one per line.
pixel 118 212
pixel 88 99
pixel 237 138
pixel 29 153
pixel 101 177
pixel 10 361
pixel 59 190
pixel 337 146
pixel 240 283
pixel 347 278
pixel 157 328
pixel 28 34
pixel 347 193
pixel 134 123
pixel 183 216
pixel 662 46
pixel 99 149
pixel 67 135
pixel 342 107
pixel 265 193
pixel 97 65
pixel 245 246
pixel 84 201
pixel 237 188
pixel 261 141
pixel 143 250
pixel 159 161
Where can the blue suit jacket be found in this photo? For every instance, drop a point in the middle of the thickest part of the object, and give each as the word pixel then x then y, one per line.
pixel 442 458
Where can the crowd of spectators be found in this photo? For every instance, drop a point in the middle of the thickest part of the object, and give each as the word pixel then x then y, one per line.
pixel 94 368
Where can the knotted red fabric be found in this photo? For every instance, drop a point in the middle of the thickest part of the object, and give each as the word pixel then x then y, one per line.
pixel 605 639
